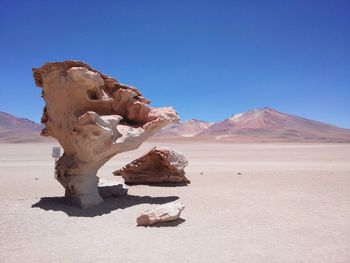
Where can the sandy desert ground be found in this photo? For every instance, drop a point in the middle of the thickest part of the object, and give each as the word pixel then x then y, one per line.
pixel 290 203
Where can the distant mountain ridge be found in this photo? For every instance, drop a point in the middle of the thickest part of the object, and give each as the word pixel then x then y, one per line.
pixel 265 125
pixel 258 125
pixel 184 128
pixel 17 130
pixel 13 122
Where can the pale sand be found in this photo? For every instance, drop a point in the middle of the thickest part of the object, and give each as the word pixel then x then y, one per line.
pixel 291 204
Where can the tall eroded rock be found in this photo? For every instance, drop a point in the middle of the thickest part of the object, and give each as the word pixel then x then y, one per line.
pixel 93 117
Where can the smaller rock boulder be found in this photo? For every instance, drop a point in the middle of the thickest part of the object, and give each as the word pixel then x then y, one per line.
pixel 159 165
pixel 164 213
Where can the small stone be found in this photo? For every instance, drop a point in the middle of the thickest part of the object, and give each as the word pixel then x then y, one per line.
pixel 164 213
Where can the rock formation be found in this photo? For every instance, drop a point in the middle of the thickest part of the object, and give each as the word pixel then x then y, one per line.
pixel 163 213
pixel 159 165
pixel 94 117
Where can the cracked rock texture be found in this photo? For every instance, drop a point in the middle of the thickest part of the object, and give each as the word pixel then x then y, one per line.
pixel 159 165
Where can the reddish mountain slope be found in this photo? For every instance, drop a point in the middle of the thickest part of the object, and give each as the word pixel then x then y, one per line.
pixel 184 129
pixel 16 130
pixel 260 125
pixel 270 125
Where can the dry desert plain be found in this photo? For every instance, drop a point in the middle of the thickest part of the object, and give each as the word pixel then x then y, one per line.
pixel 246 203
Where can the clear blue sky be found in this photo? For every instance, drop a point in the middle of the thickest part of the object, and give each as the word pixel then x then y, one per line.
pixel 208 59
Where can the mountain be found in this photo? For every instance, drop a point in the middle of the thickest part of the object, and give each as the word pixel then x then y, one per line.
pixel 270 125
pixel 183 129
pixel 258 125
pixel 16 130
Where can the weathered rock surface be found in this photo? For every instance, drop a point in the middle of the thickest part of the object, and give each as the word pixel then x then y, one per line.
pixel 164 213
pixel 159 165
pixel 93 117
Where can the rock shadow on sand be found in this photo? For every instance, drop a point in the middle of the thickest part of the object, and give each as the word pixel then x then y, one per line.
pixel 110 204
pixel 174 223
pixel 170 185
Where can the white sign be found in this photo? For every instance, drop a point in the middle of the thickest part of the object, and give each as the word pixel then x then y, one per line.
pixel 56 152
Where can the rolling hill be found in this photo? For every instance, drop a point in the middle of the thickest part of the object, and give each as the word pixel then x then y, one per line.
pixel 189 128
pixel 18 130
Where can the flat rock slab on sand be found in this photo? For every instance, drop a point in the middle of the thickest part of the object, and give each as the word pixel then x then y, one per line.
pixel 163 213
